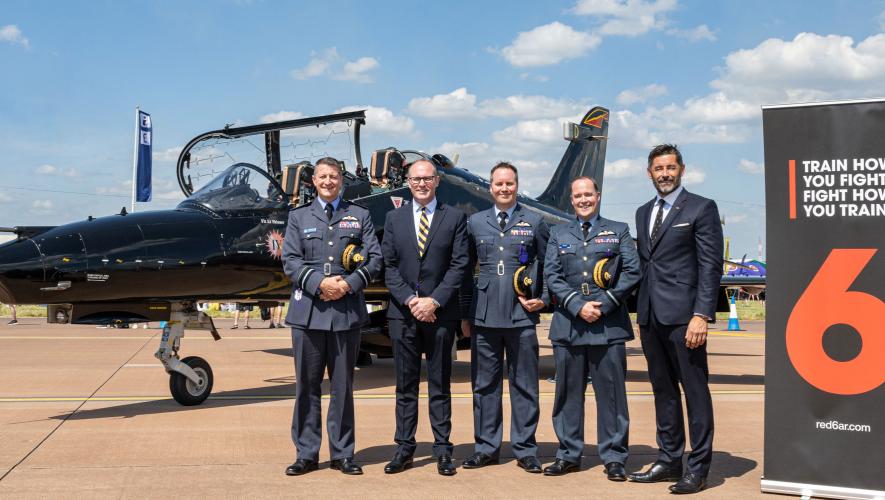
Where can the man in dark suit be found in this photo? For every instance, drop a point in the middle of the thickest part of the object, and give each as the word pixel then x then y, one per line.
pixel 425 254
pixel 326 311
pixel 680 249
pixel 591 267
pixel 504 239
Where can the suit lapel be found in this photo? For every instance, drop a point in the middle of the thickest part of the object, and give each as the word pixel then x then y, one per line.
pixel 317 210
pixel 599 226
pixel 492 220
pixel 408 220
pixel 438 216
pixel 511 221
pixel 338 214
pixel 574 227
pixel 671 216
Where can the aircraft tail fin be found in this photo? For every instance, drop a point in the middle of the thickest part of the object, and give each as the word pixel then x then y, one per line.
pixel 585 155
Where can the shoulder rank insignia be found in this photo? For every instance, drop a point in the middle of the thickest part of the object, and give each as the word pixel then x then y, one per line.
pixel 605 233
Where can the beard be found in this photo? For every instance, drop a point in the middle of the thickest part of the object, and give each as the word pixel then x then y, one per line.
pixel 670 186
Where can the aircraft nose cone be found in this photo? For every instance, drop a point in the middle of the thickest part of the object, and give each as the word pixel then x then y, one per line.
pixel 21 270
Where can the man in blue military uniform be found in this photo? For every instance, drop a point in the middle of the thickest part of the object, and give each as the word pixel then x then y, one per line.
pixel 590 268
pixel 326 311
pixel 503 239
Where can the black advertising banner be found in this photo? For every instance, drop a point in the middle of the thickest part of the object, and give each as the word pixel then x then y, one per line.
pixel 825 315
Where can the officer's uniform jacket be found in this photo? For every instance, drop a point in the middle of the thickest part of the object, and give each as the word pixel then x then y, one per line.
pixel 568 274
pixel 312 251
pixel 493 302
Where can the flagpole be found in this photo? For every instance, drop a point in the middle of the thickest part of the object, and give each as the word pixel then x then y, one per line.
pixel 135 159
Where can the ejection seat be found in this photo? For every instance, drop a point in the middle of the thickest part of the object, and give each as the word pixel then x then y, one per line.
pixel 386 170
pixel 297 183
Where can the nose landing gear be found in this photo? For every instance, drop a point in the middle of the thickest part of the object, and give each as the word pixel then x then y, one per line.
pixel 190 379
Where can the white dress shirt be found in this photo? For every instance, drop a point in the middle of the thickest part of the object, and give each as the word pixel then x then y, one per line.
pixel 669 200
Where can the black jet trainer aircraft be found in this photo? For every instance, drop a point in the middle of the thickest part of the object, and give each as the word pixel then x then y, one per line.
pixel 224 241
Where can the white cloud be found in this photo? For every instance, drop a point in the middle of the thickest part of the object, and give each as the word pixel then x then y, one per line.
pixel 169 154
pixel 693 175
pixel 695 34
pixel 549 44
pixel 718 108
pixel 5 198
pixel 42 205
pixel 329 63
pixel 358 70
pixel 641 94
pixel 12 34
pixel 625 168
pixel 530 106
pixel 534 77
pixel 281 116
pixel 626 17
pixel 809 67
pixel 751 167
pixel 460 103
pixel 456 104
pixel 383 120
pixel 53 170
pixel 528 135
pixel 123 188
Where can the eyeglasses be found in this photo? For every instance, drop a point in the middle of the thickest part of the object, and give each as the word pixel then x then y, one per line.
pixel 418 180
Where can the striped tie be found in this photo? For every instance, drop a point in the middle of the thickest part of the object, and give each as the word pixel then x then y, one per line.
pixel 423 231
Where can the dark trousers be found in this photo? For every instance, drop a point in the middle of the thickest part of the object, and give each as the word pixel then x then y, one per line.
pixel 670 362
pixel 607 364
pixel 488 348
pixel 410 339
pixel 314 351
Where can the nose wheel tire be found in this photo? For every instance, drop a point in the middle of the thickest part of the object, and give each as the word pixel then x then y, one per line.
pixel 186 392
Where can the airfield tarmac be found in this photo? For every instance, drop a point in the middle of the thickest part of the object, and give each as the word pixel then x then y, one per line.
pixel 86 413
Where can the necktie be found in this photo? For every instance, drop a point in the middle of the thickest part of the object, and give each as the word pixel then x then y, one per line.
pixel 659 218
pixel 423 231
pixel 329 211
pixel 585 227
pixel 502 220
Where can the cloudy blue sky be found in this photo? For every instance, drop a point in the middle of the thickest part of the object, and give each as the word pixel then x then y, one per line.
pixel 484 80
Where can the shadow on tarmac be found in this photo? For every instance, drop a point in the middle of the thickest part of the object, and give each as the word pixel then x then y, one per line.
pixel 725 465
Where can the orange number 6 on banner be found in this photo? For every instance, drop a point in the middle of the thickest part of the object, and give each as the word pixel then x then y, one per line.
pixel 827 302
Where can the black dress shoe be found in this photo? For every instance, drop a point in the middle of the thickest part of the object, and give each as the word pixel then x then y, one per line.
pixel 530 464
pixel 656 473
pixel 399 463
pixel 690 483
pixel 560 467
pixel 478 460
pixel 615 471
pixel 347 466
pixel 445 466
pixel 300 467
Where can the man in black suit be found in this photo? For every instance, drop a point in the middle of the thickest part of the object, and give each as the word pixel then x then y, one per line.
pixel 680 251
pixel 425 255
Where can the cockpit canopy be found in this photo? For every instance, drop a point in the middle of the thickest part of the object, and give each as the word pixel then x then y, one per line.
pixel 242 187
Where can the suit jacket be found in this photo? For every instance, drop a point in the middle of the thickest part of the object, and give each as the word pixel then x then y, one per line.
pixel 682 270
pixel 492 302
pixel 438 274
pixel 312 251
pixel 568 273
